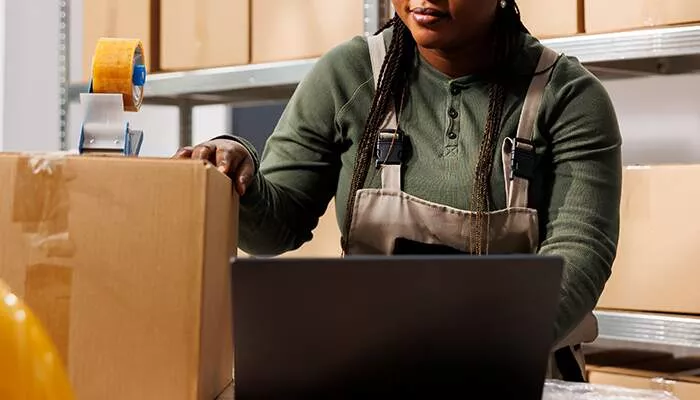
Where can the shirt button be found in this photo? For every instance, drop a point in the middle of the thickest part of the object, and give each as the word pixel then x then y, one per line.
pixel 452 135
pixel 452 113
pixel 455 90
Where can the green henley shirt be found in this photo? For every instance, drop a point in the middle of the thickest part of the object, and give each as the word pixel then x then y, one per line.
pixel 309 159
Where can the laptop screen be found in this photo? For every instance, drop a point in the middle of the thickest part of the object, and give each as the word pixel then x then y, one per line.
pixel 394 326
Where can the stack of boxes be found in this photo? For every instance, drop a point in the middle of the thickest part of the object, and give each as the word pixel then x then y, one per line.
pixel 560 18
pixel 194 34
pixel 552 18
pixel 655 273
pixel 122 19
pixel 603 16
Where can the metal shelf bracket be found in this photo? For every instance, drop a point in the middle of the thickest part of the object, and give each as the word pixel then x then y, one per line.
pixel 647 328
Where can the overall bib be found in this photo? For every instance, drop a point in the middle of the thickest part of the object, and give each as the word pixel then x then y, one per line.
pixel 386 218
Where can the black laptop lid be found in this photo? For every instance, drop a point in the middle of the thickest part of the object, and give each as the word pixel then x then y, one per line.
pixel 392 327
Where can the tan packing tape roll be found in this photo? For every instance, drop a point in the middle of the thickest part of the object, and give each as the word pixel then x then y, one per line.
pixel 113 66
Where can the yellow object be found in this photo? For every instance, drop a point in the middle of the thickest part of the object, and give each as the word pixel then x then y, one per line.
pixel 30 368
pixel 114 65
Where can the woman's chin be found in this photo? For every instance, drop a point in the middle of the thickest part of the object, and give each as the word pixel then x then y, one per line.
pixel 428 39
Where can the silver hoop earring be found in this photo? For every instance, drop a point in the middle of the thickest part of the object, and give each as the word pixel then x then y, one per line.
pixel 503 4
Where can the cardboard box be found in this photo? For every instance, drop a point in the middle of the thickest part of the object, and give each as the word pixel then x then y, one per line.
pixel 677 366
pixel 685 387
pixel 326 238
pixel 656 265
pixel 300 29
pixel 604 16
pixel 552 18
pixel 204 33
pixel 126 263
pixel 135 19
pixel 325 242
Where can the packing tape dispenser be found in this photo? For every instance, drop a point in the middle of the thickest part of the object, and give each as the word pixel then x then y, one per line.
pixel 117 84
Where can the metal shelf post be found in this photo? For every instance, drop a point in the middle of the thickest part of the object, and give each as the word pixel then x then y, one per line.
pixel 64 71
pixel 376 13
pixel 186 110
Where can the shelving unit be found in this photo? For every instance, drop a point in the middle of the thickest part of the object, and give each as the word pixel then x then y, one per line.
pixel 670 50
pixel 671 333
pixel 636 50
pixel 613 55
pixel 237 85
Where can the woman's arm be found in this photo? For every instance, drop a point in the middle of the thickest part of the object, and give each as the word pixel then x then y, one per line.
pixel 298 172
pixel 582 223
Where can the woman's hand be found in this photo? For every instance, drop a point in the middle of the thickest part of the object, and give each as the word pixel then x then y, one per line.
pixel 229 156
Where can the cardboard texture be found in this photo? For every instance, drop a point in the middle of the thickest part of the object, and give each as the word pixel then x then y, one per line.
pixel 552 18
pixel 299 29
pixel 668 365
pixel 204 33
pixel 683 387
pixel 326 238
pixel 325 242
pixel 656 265
pixel 602 16
pixel 126 263
pixel 135 19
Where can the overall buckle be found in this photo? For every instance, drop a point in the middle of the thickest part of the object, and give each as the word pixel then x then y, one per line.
pixel 389 149
pixel 522 163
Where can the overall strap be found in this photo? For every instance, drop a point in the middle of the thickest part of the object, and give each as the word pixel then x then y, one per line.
pixel 389 142
pixel 519 170
pixel 377 53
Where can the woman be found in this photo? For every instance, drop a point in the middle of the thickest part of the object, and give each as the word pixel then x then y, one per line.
pixel 477 139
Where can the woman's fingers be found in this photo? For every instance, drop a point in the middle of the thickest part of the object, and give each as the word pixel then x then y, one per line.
pixel 229 156
pixel 204 151
pixel 225 158
pixel 184 152
pixel 244 175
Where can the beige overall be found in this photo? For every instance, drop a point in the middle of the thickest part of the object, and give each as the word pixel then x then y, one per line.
pixel 381 216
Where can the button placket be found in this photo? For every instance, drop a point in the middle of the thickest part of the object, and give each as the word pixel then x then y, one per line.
pixel 452 131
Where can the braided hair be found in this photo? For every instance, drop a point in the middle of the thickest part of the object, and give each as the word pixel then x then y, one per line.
pixel 393 80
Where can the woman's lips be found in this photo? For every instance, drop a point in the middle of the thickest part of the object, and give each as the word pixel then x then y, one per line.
pixel 428 16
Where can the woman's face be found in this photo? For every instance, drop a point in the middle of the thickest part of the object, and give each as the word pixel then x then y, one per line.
pixel 446 24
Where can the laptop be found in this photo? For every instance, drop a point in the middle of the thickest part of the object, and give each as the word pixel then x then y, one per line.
pixel 394 327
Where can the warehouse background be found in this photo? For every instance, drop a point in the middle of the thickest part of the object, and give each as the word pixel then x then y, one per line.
pixel 659 116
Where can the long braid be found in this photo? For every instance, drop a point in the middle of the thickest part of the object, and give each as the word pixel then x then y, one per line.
pixel 393 79
pixel 507 25
pixel 480 193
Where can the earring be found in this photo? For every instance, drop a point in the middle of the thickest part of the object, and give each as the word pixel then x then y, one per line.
pixel 503 3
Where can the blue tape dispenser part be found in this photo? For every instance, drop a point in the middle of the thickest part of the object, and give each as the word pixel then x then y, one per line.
pixel 139 78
